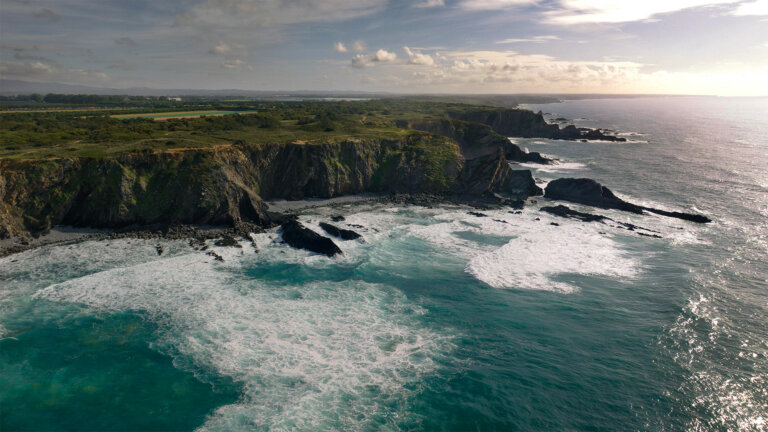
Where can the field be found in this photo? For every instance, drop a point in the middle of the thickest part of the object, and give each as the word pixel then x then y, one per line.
pixel 97 134
pixel 179 114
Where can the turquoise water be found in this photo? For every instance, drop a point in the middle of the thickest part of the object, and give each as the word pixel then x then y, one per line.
pixel 440 320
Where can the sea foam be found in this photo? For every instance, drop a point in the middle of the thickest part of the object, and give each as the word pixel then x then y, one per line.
pixel 321 355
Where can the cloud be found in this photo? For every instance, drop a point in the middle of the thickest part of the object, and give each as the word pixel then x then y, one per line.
pixel 339 47
pixel 493 4
pixel 234 64
pixel 125 41
pixel 534 39
pixel 417 58
pixel 380 56
pixel 247 14
pixel 46 13
pixel 430 4
pixel 228 49
pixel 358 46
pixel 611 11
pixel 383 55
pixel 42 71
pixel 758 7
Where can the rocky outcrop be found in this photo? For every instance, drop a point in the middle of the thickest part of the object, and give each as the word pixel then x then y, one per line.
pixel 492 174
pixel 475 139
pixel 300 237
pixel 527 124
pixel 568 213
pixel 589 192
pixel 343 234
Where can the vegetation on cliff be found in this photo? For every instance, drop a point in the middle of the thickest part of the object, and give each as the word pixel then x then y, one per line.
pixel 88 169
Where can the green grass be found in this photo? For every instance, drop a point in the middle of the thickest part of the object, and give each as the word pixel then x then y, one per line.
pixel 181 114
pixel 96 134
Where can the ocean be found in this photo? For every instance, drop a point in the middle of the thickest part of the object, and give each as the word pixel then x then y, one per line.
pixel 439 319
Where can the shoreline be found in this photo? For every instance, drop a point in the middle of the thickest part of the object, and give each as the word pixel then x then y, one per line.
pixel 280 209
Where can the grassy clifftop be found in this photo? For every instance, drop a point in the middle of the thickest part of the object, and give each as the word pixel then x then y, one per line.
pixel 92 170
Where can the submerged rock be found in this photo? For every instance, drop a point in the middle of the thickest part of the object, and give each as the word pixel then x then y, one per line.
pixel 567 212
pixel 300 237
pixel 344 234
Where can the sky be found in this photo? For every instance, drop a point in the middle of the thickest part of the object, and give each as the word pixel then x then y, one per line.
pixel 717 47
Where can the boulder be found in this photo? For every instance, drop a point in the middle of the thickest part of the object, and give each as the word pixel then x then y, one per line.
pixel 344 234
pixel 300 237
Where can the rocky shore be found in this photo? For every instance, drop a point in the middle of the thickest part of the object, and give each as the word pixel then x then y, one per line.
pixel 232 191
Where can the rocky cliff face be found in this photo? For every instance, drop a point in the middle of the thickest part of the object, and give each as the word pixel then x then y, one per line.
pixel 527 124
pixel 227 185
pixel 475 139
pixel 511 122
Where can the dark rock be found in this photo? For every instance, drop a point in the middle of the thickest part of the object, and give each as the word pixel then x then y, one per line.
pixel 590 192
pixel 344 234
pixel 569 213
pixel 566 212
pixel 554 223
pixel 338 218
pixel 300 237
pixel 535 157
pixel 215 256
pixel 227 241
pixel 159 250
pixel 684 216
pixel 477 214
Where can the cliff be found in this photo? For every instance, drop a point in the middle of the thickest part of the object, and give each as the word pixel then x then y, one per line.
pixel 476 139
pixel 227 185
pixel 527 124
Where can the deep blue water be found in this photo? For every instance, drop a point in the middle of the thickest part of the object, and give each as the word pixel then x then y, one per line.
pixel 440 320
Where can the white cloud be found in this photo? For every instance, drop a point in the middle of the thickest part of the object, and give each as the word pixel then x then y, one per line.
pixel 339 47
pixel 430 3
pixel 493 4
pixel 759 7
pixel 380 56
pixel 383 55
pixel 417 58
pixel 361 61
pixel 618 11
pixel 535 39
pixel 227 49
pixel 358 46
